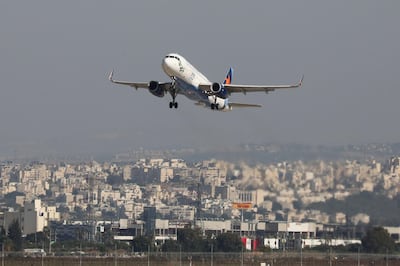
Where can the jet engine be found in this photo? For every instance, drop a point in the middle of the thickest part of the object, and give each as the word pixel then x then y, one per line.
pixel 156 89
pixel 216 88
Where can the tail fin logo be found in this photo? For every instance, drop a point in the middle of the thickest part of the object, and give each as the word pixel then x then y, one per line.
pixel 228 78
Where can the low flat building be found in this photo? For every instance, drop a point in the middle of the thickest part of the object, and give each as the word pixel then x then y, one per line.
pixel 394 232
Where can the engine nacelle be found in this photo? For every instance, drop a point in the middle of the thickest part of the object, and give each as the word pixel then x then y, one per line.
pixel 216 88
pixel 155 89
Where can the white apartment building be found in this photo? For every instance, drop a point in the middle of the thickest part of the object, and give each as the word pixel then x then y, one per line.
pixel 256 197
pixel 34 217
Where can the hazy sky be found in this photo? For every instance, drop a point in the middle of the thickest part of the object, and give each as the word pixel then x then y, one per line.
pixel 55 57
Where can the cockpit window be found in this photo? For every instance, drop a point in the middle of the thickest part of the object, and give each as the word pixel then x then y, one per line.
pixel 172 56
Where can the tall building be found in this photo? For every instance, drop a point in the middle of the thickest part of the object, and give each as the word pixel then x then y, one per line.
pixel 127 172
pixel 34 218
pixel 149 217
pixel 256 197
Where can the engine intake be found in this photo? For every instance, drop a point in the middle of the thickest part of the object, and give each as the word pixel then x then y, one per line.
pixel 155 89
pixel 216 88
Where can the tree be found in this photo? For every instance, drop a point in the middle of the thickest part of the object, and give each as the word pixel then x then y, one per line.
pixel 228 242
pixel 36 238
pixel 276 206
pixel 191 240
pixel 79 213
pixel 62 198
pixel 141 244
pixel 3 237
pixel 115 180
pixel 378 240
pixel 10 198
pixel 15 235
pixel 170 246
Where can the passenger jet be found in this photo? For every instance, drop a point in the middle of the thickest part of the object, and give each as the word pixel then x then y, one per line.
pixel 187 80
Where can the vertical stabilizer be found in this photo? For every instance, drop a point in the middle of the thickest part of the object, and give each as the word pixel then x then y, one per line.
pixel 228 78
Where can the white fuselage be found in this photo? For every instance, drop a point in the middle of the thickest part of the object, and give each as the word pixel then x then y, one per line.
pixel 177 66
pixel 188 79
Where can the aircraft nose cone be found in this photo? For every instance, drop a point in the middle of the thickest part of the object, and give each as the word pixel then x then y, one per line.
pixel 168 65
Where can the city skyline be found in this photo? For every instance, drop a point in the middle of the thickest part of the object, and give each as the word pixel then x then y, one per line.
pixel 56 56
pixel 297 191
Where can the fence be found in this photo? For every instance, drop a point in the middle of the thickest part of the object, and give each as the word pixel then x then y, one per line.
pixel 205 259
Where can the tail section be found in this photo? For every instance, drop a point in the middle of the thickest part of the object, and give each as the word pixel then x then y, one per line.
pixel 228 79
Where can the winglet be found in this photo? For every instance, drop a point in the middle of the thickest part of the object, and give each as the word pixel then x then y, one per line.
pixel 110 77
pixel 301 81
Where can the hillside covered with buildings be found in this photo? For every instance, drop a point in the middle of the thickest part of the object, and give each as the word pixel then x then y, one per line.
pixel 265 203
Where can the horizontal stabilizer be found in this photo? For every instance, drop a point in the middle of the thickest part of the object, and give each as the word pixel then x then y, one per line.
pixel 243 105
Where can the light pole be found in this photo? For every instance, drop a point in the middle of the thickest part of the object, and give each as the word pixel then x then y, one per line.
pixel 180 255
pixel 2 253
pixel 49 240
pixel 2 245
pixel 212 254
pixel 301 251
pixel 148 255
pixel 80 253
pixel 387 257
pixel 115 254
pixel 242 262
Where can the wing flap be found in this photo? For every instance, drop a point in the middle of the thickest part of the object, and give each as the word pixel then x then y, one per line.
pixel 137 85
pixel 231 88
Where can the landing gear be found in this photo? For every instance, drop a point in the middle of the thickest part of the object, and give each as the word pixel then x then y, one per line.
pixel 214 106
pixel 173 92
pixel 173 105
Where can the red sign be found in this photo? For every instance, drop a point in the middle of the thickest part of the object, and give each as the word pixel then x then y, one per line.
pixel 242 205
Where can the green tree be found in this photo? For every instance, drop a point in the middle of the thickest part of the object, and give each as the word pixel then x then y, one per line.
pixel 115 180
pixel 191 240
pixel 170 246
pixel 378 240
pixel 276 206
pixel 15 235
pixel 141 244
pixel 62 198
pixel 3 237
pixel 36 238
pixel 228 242
pixel 10 198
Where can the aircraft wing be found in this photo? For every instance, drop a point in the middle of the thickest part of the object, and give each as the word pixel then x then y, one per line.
pixel 231 88
pixel 136 85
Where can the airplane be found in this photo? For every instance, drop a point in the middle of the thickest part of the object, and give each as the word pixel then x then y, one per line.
pixel 188 81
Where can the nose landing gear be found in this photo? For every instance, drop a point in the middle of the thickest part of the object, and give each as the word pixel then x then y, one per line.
pixel 173 91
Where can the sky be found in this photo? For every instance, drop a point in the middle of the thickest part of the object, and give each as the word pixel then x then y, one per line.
pixel 55 57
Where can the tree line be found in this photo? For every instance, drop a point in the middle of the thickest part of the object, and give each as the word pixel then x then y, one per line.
pixel 376 240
